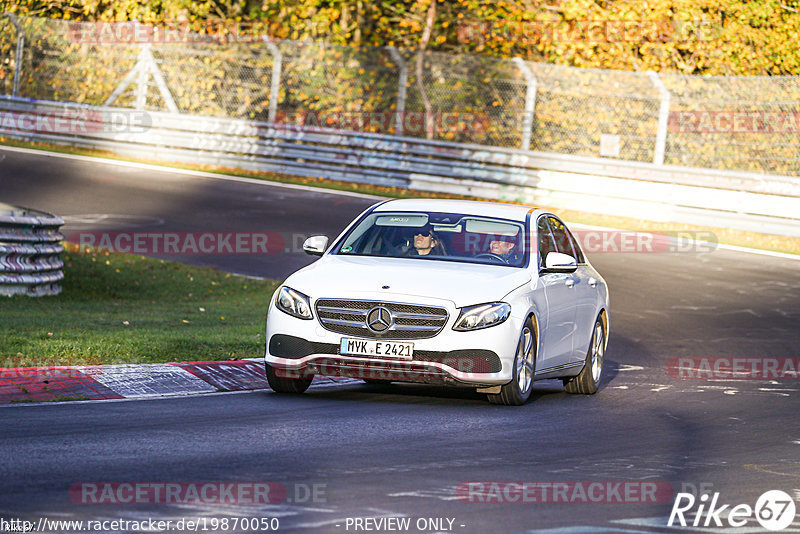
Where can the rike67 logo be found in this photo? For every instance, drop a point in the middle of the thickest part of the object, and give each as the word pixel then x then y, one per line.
pixel 774 510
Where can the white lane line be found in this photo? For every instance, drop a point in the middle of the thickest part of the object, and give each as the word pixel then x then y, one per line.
pixel 443 494
pixel 188 172
pixel 626 367
pixel 733 248
pixel 762 252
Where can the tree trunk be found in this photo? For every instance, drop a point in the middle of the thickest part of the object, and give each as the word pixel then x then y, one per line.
pixel 423 45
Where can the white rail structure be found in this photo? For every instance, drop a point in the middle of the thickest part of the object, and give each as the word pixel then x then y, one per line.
pixel 730 199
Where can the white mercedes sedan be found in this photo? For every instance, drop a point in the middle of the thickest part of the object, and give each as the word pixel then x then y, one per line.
pixel 475 294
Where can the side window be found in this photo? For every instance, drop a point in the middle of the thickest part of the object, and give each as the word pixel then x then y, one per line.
pixel 546 244
pixel 563 242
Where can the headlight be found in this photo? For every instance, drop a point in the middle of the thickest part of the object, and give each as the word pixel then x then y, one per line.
pixel 482 316
pixel 294 303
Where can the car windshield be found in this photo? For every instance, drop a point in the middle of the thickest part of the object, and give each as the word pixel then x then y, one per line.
pixel 437 236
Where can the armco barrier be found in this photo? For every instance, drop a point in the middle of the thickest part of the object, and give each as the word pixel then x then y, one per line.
pixel 29 252
pixel 742 200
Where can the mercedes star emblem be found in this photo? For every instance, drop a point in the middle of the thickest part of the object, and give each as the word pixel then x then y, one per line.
pixel 379 319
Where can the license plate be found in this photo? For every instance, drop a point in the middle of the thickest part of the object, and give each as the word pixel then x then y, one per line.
pixel 376 349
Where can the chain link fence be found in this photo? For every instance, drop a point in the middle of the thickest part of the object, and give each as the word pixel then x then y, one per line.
pixel 576 107
pixel 750 123
pixel 736 123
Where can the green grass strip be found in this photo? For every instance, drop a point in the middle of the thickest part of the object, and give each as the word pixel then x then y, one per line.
pixel 119 308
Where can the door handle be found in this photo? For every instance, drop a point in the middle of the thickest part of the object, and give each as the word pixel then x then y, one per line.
pixel 592 282
pixel 570 282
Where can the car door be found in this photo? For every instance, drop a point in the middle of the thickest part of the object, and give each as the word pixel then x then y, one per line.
pixel 558 288
pixel 583 292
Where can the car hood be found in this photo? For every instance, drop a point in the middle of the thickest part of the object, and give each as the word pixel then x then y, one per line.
pixel 462 284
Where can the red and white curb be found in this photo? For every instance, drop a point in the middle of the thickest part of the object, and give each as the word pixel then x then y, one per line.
pixel 95 382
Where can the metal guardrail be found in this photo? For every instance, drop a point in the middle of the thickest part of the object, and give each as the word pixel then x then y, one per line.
pixel 29 252
pixel 746 123
pixel 743 200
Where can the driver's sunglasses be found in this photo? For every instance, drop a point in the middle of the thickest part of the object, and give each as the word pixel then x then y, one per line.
pixel 424 234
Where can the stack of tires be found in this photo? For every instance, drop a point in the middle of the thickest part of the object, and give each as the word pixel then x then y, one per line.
pixel 30 248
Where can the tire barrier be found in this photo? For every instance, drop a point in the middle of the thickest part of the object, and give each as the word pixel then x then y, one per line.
pixel 30 248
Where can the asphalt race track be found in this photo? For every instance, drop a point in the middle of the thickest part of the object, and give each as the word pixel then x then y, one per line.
pixel 407 451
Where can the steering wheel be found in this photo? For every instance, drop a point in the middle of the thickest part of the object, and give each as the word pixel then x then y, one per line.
pixel 492 256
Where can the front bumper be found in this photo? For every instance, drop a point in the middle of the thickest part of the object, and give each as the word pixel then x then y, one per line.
pixel 297 347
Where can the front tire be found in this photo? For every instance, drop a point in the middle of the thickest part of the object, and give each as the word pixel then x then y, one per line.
pixel 588 381
pixel 282 384
pixel 517 392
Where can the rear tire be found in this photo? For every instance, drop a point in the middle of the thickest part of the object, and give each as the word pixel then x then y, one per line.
pixel 517 392
pixel 588 381
pixel 282 384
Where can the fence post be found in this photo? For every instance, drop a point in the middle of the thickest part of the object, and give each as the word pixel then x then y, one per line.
pixel 18 56
pixel 275 79
pixel 402 82
pixel 530 103
pixel 663 118
pixel 145 67
pixel 141 82
pixel 155 72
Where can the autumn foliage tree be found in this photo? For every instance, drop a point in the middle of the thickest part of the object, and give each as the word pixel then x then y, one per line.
pixel 726 37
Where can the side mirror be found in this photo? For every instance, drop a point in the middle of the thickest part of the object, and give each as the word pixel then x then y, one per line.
pixel 316 245
pixel 556 262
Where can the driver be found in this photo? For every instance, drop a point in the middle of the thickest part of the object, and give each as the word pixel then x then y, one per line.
pixel 501 248
pixel 505 249
pixel 427 242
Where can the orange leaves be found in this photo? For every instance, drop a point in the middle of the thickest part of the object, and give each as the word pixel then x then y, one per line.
pixel 690 36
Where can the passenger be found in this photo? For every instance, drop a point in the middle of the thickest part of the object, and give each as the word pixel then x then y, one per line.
pixel 427 242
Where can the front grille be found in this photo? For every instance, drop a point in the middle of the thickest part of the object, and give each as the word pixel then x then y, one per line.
pixel 409 321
